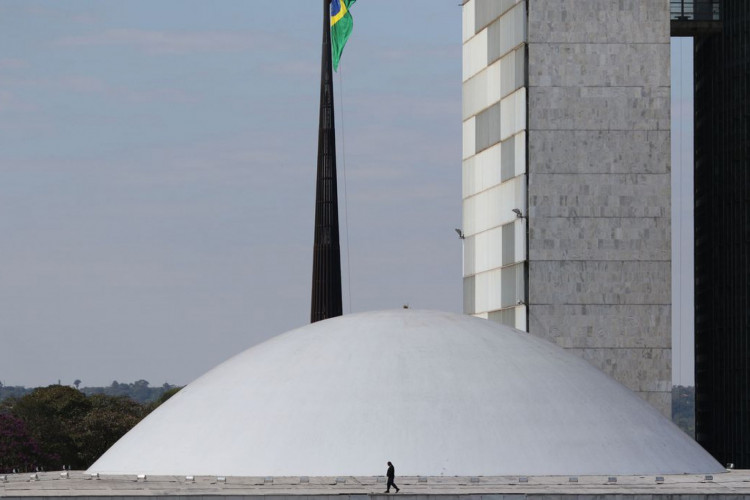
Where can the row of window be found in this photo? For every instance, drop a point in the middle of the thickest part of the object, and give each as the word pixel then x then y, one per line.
pixel 494 82
pixel 478 14
pixel 495 124
pixel 494 165
pixel 497 247
pixel 491 43
pixel 494 290
pixel 495 206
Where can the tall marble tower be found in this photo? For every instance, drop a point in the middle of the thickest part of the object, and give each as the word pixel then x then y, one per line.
pixel 566 178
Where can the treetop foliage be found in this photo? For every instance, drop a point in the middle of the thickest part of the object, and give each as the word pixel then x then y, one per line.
pixel 56 426
pixel 683 409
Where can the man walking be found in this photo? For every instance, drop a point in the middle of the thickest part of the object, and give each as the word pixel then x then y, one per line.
pixel 391 474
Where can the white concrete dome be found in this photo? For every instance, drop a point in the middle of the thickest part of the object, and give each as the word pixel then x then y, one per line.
pixel 435 393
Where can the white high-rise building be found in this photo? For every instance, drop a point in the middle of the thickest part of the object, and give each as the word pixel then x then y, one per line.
pixel 566 178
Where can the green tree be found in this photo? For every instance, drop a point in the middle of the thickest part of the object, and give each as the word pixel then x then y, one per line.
pixel 9 391
pixel 56 425
pixel 109 418
pixel 18 450
pixel 168 393
pixel 51 415
pixel 140 391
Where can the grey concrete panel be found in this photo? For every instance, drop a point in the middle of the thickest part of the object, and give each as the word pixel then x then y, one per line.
pixel 487 11
pixel 599 108
pixel 512 71
pixel 610 65
pixel 508 159
pixel 599 282
pixel 599 195
pixel 504 317
pixel 586 151
pixel 609 239
pixel 520 62
pixel 638 369
pixel 506 33
pixel 598 21
pixel 509 244
pixel 488 128
pixel 508 286
pixel 601 326
pixel 469 296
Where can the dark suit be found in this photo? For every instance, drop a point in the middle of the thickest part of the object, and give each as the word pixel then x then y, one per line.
pixel 391 474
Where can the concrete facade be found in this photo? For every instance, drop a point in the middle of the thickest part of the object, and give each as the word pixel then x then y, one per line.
pixel 593 273
pixel 494 160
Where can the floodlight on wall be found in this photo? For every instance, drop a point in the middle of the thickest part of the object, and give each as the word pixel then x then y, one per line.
pixel 730 466
pixel 518 213
pixel 460 233
pixel 141 477
pixel 523 479
pixel 221 479
pixel 708 477
pixel 34 477
pixel 659 479
pixel 95 475
pixel 573 479
pixel 611 479
pixel 190 479
pixel 64 475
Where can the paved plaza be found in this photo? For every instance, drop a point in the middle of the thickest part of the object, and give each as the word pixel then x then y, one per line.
pixel 77 484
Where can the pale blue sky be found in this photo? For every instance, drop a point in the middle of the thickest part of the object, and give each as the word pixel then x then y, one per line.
pixel 683 327
pixel 157 170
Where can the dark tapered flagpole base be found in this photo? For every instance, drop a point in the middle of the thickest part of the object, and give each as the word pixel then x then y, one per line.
pixel 326 282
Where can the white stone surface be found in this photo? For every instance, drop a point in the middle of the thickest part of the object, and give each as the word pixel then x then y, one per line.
pixel 435 393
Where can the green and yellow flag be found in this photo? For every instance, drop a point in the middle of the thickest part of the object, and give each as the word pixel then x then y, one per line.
pixel 341 28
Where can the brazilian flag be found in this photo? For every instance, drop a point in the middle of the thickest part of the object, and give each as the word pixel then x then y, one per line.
pixel 341 28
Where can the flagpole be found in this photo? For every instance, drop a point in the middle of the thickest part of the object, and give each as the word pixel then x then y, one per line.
pixel 326 281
